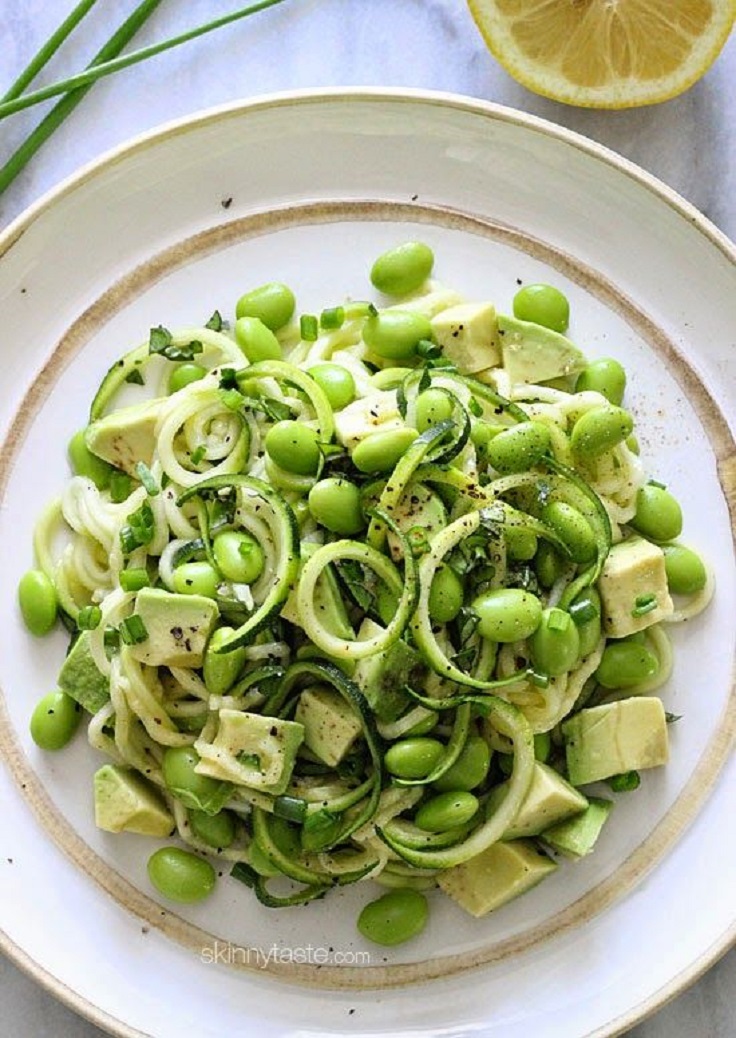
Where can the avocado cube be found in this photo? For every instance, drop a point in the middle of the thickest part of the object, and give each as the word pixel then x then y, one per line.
pixel 532 353
pixel 82 679
pixel 125 802
pixel 126 436
pixel 330 726
pixel 576 837
pixel 498 874
pixel 550 799
pixel 383 676
pixel 468 336
pixel 178 626
pixel 633 569
pixel 251 750
pixel 629 735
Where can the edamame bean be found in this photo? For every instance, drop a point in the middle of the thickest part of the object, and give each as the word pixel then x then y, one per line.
pixel 294 447
pixel 336 382
pixel 180 875
pixel 519 448
pixel 445 596
pixel 507 614
pixel 196 578
pixel 605 376
pixel 413 758
pixel 403 269
pixel 395 917
pixel 85 463
pixel 395 334
pixel 482 432
pixel 433 406
pixel 625 664
pixel 239 556
pixel 272 303
pixel 573 529
pixel 599 430
pixel 589 631
pixel 470 769
pixel 521 544
pixel 542 304
pixel 446 811
pixel 199 792
pixel 548 565
pixel 686 574
pixel 215 830
pixel 380 451
pixel 335 504
pixel 555 645
pixel 221 669
pixel 184 374
pixel 55 720
pixel 256 340
pixel 37 601
pixel 658 514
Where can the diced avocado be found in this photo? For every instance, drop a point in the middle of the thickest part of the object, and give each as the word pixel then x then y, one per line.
pixel 629 735
pixel 633 571
pixel 532 353
pixel 178 626
pixel 550 799
pixel 330 726
pixel 126 436
pixel 382 676
pixel 125 802
pixel 251 750
pixel 419 506
pixel 82 679
pixel 576 837
pixel 378 412
pixel 328 602
pixel 468 336
pixel 498 874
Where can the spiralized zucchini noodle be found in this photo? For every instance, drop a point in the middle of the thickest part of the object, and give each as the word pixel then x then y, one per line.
pixel 368 595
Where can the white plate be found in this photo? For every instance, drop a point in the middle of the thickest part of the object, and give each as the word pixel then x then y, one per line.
pixel 308 188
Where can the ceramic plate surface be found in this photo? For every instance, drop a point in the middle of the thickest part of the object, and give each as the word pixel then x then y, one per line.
pixel 308 189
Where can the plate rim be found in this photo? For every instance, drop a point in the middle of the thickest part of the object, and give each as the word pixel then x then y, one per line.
pixel 444 100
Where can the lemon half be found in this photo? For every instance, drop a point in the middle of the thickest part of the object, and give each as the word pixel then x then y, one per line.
pixel 605 53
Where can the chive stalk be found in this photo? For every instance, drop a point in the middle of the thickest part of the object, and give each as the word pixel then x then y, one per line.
pixel 48 50
pixel 109 63
pixel 20 159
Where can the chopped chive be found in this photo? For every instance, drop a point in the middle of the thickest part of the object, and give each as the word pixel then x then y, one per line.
pixel 418 540
pixel 198 454
pixel 133 630
pixel 135 378
pixel 134 579
pixel 145 475
pixel 558 620
pixel 540 680
pixel 333 317
pixel 475 408
pixel 583 612
pixel 293 809
pixel 111 640
pixel 309 327
pixel 625 782
pixel 89 618
pixel 138 530
pixel 120 487
pixel 644 604
pixel 232 399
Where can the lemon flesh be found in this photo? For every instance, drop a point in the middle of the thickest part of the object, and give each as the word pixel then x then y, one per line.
pixel 605 53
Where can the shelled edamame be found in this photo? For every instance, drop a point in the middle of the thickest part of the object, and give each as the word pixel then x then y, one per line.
pixel 364 594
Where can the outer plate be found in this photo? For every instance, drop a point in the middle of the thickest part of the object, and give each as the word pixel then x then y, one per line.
pixel 308 188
